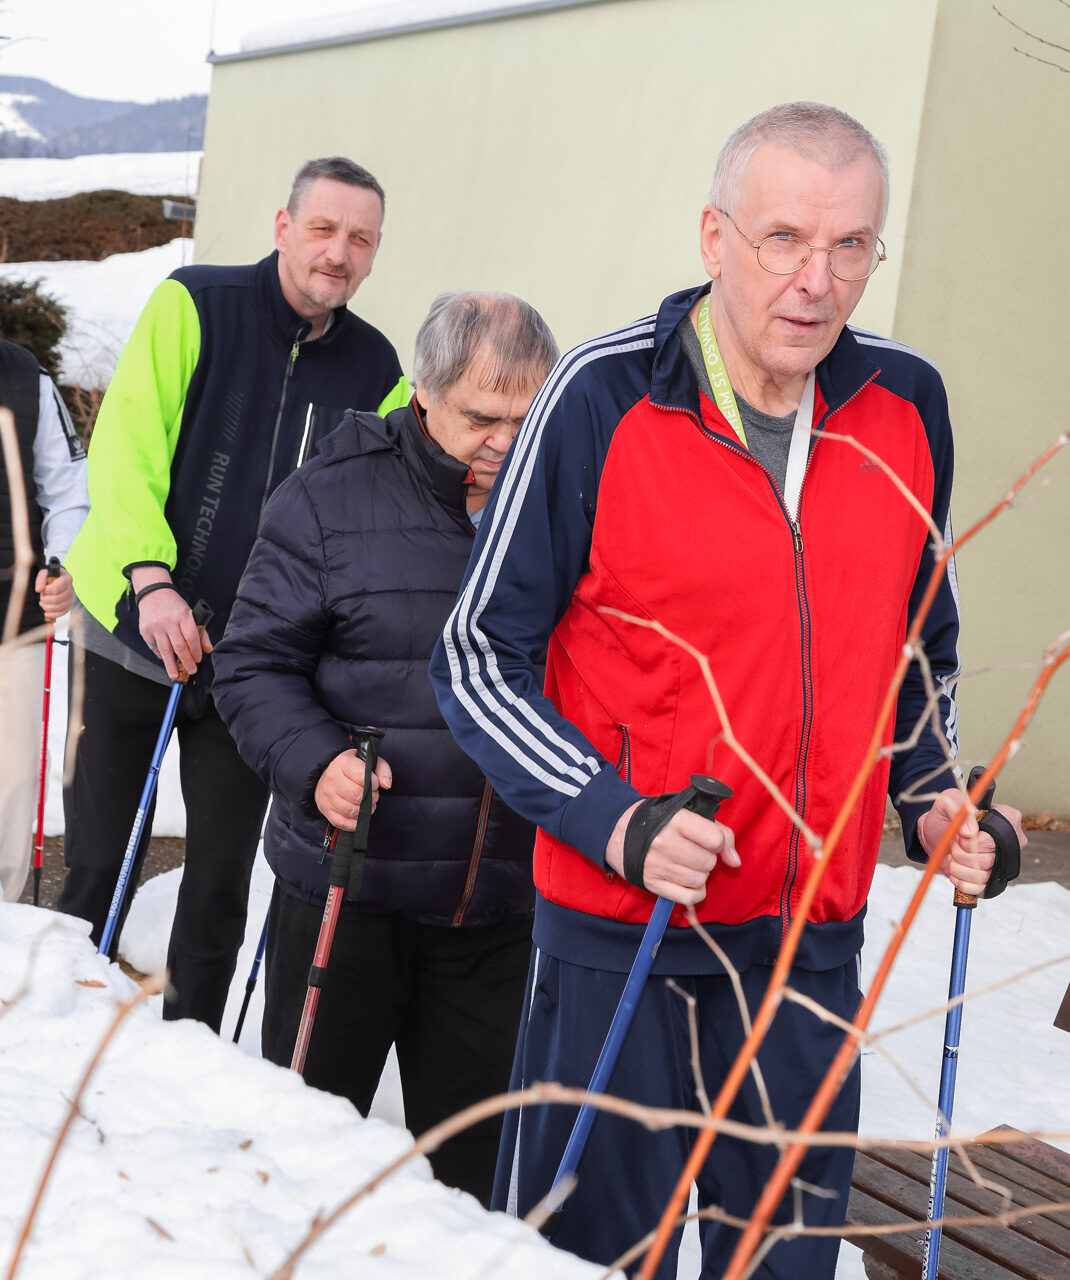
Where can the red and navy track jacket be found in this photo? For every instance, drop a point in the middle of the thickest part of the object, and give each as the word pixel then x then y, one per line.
pixel 626 493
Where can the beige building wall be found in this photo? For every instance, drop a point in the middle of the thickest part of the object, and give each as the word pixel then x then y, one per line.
pixel 984 291
pixel 564 155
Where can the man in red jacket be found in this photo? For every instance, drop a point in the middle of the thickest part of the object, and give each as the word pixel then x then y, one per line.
pixel 691 470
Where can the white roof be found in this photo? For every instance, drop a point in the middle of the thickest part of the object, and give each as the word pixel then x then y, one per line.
pixel 362 21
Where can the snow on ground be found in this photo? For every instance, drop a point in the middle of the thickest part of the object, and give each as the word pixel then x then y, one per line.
pixel 105 299
pixel 192 1159
pixel 163 173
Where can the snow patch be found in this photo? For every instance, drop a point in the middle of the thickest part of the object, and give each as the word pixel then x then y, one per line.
pixel 105 299
pixel 189 1158
pixel 13 121
pixel 164 173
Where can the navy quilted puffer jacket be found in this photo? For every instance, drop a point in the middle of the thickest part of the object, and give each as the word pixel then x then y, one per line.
pixel 356 567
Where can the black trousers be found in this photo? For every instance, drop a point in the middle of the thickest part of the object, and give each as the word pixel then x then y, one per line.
pixel 225 803
pixel 448 998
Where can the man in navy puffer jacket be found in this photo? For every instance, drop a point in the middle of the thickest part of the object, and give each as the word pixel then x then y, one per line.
pixel 353 575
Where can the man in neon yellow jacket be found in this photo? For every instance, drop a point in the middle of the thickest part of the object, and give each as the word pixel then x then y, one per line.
pixel 230 377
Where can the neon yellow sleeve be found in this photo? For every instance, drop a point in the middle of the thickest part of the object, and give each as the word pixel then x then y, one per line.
pixel 131 449
pixel 397 397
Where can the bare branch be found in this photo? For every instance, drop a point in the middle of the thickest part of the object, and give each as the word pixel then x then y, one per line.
pixel 1032 35
pixel 730 738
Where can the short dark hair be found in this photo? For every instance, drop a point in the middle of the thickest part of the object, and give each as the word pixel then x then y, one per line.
pixel 517 341
pixel 338 169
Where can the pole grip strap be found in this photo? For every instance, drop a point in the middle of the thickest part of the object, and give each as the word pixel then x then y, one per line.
pixel 1008 864
pixel 703 796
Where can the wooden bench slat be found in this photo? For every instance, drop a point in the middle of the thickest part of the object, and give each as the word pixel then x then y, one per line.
pixel 1039 1157
pixel 1011 1249
pixel 964 1193
pixel 904 1252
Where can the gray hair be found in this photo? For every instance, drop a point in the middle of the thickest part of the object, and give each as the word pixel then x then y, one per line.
pixel 517 341
pixel 338 169
pixel 811 129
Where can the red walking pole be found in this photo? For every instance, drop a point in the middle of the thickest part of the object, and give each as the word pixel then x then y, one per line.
pixel 347 870
pixel 54 570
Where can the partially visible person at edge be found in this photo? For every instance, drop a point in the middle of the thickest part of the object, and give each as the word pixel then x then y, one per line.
pixel 53 474
pixel 668 473
pixel 229 378
pixel 355 571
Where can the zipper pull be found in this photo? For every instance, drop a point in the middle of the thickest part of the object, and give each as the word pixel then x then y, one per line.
pixel 293 352
pixel 796 537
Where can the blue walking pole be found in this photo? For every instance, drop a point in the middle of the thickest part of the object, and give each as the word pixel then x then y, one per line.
pixel 147 792
pixel 250 983
pixel 705 799
pixel 1008 865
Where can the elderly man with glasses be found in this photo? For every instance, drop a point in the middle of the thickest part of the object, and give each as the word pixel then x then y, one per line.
pixel 704 483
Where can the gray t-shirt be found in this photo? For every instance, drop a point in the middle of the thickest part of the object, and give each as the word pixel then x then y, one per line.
pixel 768 438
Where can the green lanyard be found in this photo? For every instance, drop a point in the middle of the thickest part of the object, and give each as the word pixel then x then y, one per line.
pixel 723 395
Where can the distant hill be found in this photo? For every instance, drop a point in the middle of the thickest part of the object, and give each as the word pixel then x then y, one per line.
pixel 37 119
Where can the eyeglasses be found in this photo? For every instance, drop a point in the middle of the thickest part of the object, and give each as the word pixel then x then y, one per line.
pixel 782 254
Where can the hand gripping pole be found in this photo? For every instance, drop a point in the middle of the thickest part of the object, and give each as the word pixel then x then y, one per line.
pixel 347 872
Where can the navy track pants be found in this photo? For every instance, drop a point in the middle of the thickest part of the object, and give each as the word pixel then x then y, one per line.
pixel 627 1173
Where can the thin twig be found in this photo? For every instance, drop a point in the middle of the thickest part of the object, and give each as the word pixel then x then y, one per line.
pixel 730 738
pixel 741 1000
pixel 820 865
pixel 1032 35
pixel 818 1109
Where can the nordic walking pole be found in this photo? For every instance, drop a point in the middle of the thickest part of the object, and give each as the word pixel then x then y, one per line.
pixel 147 792
pixel 54 570
pixel 250 982
pixel 704 797
pixel 347 871
pixel 1007 866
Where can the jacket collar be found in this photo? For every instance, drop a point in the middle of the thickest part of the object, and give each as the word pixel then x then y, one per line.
pixel 281 319
pixel 445 475
pixel 842 373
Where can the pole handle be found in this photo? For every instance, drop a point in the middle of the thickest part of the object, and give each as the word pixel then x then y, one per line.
pixel 183 674
pixel 983 805
pixel 53 569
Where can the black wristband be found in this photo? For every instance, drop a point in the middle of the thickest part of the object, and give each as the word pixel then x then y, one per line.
pixel 153 586
pixel 654 813
pixel 703 796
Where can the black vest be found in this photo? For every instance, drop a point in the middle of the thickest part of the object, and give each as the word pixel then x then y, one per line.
pixel 20 390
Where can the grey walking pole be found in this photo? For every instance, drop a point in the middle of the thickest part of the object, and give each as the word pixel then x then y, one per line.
pixel 1008 865
pixel 704 797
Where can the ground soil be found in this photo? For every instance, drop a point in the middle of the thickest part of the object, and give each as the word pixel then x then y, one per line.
pixel 84 227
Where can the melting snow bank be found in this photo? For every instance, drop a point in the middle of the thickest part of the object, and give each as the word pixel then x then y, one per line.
pixel 153 173
pixel 192 1159
pixel 105 299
